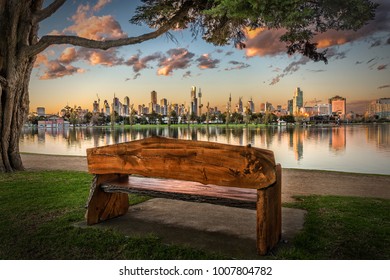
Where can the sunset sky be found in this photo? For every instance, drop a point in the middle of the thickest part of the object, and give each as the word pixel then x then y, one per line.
pixel 358 68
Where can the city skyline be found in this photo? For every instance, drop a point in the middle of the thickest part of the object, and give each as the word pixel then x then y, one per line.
pixel 358 66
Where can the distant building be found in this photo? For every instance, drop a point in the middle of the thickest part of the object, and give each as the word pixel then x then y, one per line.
pixel 240 107
pixel 297 101
pixel 262 107
pixel 95 107
pixel 194 101
pixel 380 108
pixel 323 109
pixel 200 102
pixel 268 107
pixel 251 105
pixel 338 106
pixel 153 97
pixel 106 108
pixel 53 122
pixel 164 106
pixel 126 101
pixel 126 106
pixel 290 106
pixel 41 111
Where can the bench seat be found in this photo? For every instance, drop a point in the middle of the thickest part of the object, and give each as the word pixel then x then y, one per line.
pixel 183 190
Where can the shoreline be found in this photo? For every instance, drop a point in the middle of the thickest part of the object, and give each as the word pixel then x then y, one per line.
pixel 294 181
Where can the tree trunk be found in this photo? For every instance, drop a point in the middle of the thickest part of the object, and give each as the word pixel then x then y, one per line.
pixel 16 30
pixel 19 46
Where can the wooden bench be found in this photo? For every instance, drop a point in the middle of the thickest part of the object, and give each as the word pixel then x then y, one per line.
pixel 236 176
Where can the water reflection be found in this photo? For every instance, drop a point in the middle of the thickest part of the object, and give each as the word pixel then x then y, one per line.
pixel 331 148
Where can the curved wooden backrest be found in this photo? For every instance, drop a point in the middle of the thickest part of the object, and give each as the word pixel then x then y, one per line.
pixel 204 162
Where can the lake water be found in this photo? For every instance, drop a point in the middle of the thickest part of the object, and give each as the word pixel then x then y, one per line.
pixel 350 148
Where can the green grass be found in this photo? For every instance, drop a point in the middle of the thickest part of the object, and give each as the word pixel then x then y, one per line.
pixel 38 211
pixel 342 228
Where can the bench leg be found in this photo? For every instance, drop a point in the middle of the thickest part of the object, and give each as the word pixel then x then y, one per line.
pixel 103 206
pixel 269 215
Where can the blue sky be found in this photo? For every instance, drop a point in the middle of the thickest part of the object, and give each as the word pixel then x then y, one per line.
pixel 358 68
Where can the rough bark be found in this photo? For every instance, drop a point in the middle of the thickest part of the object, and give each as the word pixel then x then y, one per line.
pixel 16 30
pixel 19 45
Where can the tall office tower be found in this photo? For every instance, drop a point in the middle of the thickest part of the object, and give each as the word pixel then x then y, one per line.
pixel 153 97
pixel 106 108
pixel 251 105
pixel 240 107
pixel 163 102
pixel 194 101
pixel 126 106
pixel 338 106
pixel 290 107
pixel 193 92
pixel 297 101
pixel 200 102
pixel 95 107
pixel 126 101
pixel 115 104
pixel 229 106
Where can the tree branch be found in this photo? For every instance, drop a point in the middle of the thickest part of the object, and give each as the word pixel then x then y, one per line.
pixel 48 11
pixel 48 40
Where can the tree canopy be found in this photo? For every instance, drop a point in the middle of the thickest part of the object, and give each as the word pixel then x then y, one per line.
pixel 224 21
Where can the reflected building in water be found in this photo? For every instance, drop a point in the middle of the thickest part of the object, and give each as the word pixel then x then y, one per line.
pixel 297 142
pixel 379 135
pixel 338 139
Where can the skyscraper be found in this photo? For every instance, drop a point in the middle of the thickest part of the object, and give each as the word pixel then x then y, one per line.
pixel 297 101
pixel 126 101
pixel 240 108
pixel 193 92
pixel 95 107
pixel 251 105
pixel 126 106
pixel 194 101
pixel 153 97
pixel 200 102
pixel 290 107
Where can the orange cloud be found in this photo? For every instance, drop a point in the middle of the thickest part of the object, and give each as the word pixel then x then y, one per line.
pixel 68 55
pixel 178 59
pixel 94 27
pixel 57 70
pixel 95 57
pixel 100 4
pixel 206 62
pixel 262 42
pixel 165 71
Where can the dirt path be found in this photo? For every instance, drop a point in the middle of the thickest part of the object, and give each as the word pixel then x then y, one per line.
pixel 294 181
